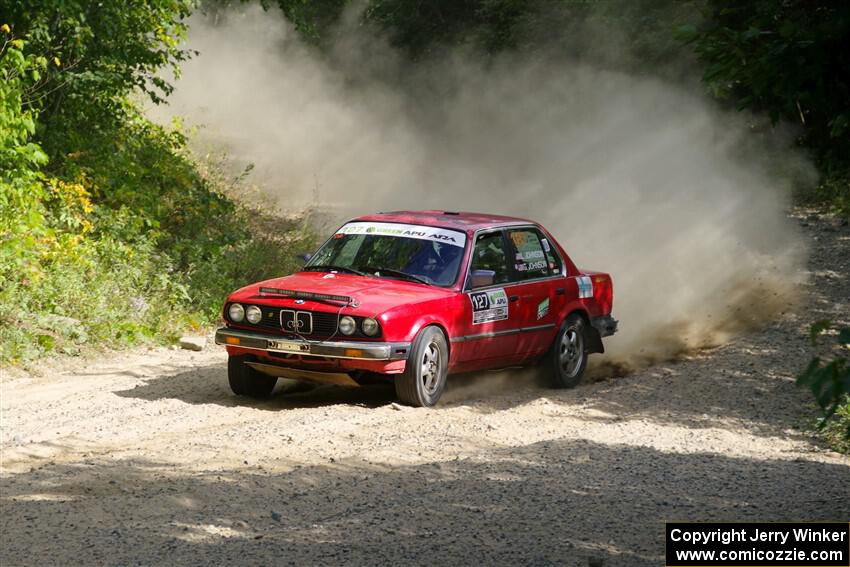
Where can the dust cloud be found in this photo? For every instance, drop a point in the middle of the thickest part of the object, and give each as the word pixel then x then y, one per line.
pixel 682 202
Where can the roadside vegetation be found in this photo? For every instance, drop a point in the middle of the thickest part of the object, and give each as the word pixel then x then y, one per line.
pixel 112 233
pixel 828 378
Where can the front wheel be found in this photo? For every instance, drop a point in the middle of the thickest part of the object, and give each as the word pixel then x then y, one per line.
pixel 424 377
pixel 569 353
pixel 245 381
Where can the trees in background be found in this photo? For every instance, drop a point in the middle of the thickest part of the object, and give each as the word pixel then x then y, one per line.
pixel 791 60
pixel 108 231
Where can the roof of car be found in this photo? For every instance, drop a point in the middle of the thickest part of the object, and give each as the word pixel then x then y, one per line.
pixel 445 219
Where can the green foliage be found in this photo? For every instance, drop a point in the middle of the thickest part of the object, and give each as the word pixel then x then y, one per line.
pixel 620 33
pixel 154 254
pixel 109 234
pixel 21 182
pixel 97 54
pixel 789 59
pixel 418 27
pixel 637 34
pixel 837 430
pixel 99 51
pixel 833 191
pixel 312 18
pixel 829 381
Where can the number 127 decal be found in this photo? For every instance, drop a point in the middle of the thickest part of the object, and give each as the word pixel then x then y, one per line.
pixel 490 305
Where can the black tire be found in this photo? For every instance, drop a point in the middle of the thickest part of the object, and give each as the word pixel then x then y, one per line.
pixel 569 353
pixel 245 381
pixel 424 377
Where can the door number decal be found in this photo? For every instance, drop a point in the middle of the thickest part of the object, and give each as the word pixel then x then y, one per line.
pixel 490 305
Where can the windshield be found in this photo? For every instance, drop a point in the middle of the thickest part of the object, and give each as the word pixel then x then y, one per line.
pixel 404 251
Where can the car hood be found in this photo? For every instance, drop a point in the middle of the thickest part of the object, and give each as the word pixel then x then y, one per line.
pixel 371 295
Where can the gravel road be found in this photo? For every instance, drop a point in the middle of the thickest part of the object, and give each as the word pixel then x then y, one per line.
pixel 147 458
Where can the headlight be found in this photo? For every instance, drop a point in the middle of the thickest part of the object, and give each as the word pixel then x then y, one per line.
pixel 253 314
pixel 347 326
pixel 236 313
pixel 370 327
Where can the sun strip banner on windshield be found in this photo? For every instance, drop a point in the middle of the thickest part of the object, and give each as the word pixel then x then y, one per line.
pixel 420 232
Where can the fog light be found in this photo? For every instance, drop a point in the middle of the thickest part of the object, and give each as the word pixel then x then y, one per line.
pixel 253 314
pixel 370 327
pixel 347 325
pixel 236 313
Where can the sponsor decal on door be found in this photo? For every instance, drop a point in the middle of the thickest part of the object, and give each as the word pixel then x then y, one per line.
pixel 488 306
pixel 543 308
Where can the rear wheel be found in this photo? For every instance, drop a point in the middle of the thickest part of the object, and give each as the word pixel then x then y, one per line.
pixel 424 377
pixel 245 381
pixel 569 353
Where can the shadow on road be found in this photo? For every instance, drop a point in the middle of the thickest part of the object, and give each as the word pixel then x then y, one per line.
pixel 694 393
pixel 544 504
pixel 208 385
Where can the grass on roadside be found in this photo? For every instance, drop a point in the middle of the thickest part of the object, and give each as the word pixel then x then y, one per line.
pixel 827 376
pixel 130 243
pixel 836 431
pixel 832 193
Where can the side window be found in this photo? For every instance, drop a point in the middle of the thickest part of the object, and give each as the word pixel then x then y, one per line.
pixel 489 254
pixel 529 255
pixel 552 257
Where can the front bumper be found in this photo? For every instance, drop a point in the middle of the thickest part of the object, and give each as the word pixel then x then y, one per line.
pixel 328 349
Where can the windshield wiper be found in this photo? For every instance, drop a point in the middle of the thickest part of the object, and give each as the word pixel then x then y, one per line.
pixel 328 268
pixel 397 273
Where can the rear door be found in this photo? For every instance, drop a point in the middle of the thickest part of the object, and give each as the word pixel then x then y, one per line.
pixel 539 288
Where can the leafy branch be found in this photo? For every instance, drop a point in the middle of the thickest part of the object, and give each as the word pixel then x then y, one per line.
pixel 828 380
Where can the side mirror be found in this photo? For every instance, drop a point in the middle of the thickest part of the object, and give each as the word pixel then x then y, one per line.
pixel 483 278
pixel 306 256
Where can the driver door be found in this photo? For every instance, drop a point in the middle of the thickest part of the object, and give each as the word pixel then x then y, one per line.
pixel 491 321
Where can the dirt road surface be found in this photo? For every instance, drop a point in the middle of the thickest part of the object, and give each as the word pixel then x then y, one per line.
pixel 147 458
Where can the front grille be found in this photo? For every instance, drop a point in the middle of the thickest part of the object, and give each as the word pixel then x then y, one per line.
pixel 324 324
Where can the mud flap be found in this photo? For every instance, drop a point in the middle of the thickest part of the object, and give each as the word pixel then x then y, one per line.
pixel 310 376
pixel 593 340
